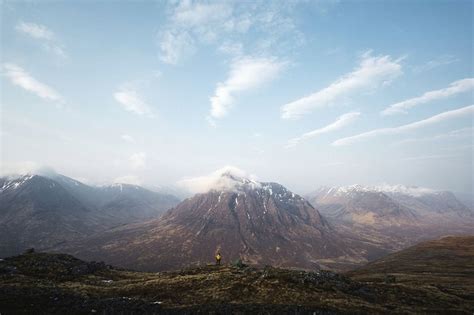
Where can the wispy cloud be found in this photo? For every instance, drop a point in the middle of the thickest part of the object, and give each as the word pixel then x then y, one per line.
pixel 454 88
pixel 138 160
pixel 245 74
pixel 430 157
pixel 175 45
pixel 131 101
pixel 435 63
pixel 43 34
pixel 464 111
pixel 340 123
pixel 458 133
pixel 371 73
pixel 19 77
pixel 224 25
pixel 128 179
pixel 127 138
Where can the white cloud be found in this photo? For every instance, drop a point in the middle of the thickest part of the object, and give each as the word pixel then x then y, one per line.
pixel 435 63
pixel 35 30
pixel 43 34
pixel 371 73
pixel 454 88
pixel 175 45
pixel 23 79
pixel 245 74
pixel 216 180
pixel 430 157
pixel 138 160
pixel 127 138
pixel 458 133
pixel 231 48
pixel 340 123
pixel 193 23
pixel 128 179
pixel 468 110
pixel 19 168
pixel 131 101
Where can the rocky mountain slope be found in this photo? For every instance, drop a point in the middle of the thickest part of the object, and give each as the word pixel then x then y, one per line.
pixel 261 223
pixel 55 283
pixel 408 214
pixel 42 212
pixel 389 218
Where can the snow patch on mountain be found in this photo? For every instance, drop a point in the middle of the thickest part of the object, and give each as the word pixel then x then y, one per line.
pixel 14 182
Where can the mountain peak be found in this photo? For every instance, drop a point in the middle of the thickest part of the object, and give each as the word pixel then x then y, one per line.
pixel 228 178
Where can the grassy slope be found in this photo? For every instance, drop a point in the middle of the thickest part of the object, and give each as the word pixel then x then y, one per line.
pixel 52 283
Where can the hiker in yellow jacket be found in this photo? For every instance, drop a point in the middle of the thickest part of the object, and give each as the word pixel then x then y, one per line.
pixel 218 259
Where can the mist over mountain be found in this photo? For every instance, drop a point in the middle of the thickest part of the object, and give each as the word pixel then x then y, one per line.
pixel 42 212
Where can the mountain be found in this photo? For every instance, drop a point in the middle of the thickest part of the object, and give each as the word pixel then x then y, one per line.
pixel 124 203
pixel 389 205
pixel 392 217
pixel 361 205
pixel 260 223
pixel 36 211
pixel 44 211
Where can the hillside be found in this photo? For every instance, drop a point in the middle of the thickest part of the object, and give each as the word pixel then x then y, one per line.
pixel 43 283
pixel 446 264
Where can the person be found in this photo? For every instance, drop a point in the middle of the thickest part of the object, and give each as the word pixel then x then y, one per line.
pixel 218 258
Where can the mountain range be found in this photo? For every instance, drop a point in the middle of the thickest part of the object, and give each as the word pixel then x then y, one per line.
pixel 45 211
pixel 261 223
pixel 393 216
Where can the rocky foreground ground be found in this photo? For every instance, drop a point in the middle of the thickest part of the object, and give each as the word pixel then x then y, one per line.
pixel 42 283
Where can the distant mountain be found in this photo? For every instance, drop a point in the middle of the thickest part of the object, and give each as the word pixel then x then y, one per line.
pixel 388 205
pixel 260 223
pixel 361 205
pixel 392 216
pixel 42 212
pixel 124 203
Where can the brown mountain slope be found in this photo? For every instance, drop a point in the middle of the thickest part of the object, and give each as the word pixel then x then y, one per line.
pixel 446 263
pixel 260 223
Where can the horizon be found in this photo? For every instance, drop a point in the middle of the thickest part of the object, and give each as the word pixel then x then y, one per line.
pixel 305 94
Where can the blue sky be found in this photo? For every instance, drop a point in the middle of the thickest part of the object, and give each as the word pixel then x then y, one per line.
pixel 305 93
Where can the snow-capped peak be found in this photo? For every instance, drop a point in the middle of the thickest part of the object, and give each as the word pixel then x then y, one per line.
pixel 413 191
pixel 14 182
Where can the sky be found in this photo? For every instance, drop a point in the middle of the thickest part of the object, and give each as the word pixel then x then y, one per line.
pixel 304 93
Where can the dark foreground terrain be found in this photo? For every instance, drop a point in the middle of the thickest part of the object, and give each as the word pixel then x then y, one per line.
pixel 433 277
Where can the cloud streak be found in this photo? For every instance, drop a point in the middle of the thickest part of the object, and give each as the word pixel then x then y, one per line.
pixel 468 110
pixel 19 77
pixel 371 73
pixel 340 123
pixel 245 74
pixel 131 101
pixel 44 35
pixel 454 88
